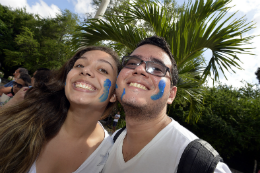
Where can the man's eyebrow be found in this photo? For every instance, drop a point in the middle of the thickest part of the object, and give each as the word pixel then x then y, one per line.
pixel 157 61
pixel 151 59
pixel 101 60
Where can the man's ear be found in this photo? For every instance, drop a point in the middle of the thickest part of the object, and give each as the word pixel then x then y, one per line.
pixel 173 92
pixel 113 98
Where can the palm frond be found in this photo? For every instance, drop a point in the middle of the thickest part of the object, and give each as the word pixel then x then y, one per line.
pixel 202 25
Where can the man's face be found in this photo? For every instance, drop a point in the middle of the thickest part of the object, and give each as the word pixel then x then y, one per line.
pixel 138 88
pixel 16 74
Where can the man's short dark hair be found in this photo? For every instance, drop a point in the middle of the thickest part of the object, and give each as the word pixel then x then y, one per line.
pixel 161 43
pixel 23 70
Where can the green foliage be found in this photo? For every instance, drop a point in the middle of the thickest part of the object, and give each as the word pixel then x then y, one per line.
pixel 189 31
pixel 230 119
pixel 33 42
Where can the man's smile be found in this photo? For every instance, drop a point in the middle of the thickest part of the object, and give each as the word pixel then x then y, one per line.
pixel 137 85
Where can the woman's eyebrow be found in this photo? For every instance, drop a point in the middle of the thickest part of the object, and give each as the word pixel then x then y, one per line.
pixel 102 60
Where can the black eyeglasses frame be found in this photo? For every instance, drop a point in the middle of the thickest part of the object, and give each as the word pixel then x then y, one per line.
pixel 142 61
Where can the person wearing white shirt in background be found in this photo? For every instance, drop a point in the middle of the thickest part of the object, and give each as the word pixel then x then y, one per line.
pixel 116 118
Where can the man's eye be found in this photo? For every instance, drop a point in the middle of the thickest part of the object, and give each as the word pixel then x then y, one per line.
pixel 157 69
pixel 131 63
pixel 78 66
pixel 103 70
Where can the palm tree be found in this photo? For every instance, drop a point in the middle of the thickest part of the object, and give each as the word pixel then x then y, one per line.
pixel 198 27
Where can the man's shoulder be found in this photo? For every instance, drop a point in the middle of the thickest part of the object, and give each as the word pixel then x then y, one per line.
pixel 181 132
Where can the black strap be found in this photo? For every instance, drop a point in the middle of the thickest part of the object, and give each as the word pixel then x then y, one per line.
pixel 118 133
pixel 199 156
pixel 12 91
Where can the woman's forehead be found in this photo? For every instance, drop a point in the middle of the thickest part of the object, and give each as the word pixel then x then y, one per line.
pixel 98 56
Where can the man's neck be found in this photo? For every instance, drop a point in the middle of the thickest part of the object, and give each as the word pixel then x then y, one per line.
pixel 140 133
pixel 146 126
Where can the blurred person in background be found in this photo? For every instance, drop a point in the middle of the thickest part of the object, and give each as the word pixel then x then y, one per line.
pixel 23 82
pixel 41 76
pixel 7 87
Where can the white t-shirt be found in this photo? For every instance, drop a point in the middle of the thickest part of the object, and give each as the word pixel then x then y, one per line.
pixel 162 154
pixel 117 116
pixel 96 161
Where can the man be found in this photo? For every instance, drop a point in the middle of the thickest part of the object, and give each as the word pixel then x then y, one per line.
pixel 116 118
pixel 7 87
pixel 152 142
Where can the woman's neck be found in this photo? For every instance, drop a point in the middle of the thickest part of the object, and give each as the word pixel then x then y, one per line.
pixel 81 122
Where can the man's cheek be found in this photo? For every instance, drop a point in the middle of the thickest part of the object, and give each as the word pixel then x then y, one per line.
pixel 161 87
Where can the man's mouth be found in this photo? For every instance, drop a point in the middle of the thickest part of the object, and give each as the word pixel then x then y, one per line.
pixel 84 86
pixel 137 85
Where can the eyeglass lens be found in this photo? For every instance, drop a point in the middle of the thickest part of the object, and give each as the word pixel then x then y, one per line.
pixel 18 85
pixel 151 67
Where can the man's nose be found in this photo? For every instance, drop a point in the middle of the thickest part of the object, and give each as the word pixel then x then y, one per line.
pixel 141 69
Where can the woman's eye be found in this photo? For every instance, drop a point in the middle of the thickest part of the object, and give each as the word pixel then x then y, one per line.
pixel 103 70
pixel 79 65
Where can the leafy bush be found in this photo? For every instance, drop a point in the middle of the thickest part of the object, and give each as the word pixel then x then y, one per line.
pixel 230 119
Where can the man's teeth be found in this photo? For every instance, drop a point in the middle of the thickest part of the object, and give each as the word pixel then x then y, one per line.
pixel 84 86
pixel 138 85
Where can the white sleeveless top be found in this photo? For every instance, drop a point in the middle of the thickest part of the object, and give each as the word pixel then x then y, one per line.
pixel 96 161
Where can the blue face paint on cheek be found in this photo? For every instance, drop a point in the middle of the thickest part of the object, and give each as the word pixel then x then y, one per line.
pixel 161 86
pixel 107 86
pixel 116 86
pixel 123 94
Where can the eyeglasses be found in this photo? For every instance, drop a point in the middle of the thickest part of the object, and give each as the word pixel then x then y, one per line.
pixel 154 68
pixel 18 85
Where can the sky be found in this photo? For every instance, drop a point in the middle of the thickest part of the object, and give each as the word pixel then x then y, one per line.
pixel 248 8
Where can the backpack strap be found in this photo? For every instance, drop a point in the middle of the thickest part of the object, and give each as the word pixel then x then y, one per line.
pixel 199 156
pixel 118 133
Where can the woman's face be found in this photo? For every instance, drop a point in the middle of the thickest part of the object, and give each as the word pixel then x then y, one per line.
pixel 92 80
pixel 18 85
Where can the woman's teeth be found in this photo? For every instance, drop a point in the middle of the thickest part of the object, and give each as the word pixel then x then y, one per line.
pixel 84 86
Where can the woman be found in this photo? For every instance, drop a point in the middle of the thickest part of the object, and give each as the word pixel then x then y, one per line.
pixel 24 80
pixel 56 128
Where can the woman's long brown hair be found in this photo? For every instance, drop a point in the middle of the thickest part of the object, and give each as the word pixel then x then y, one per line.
pixel 26 126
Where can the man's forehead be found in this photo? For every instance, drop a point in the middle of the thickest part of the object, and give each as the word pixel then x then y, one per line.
pixel 150 52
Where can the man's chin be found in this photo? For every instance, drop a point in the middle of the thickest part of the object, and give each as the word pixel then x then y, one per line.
pixel 132 103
